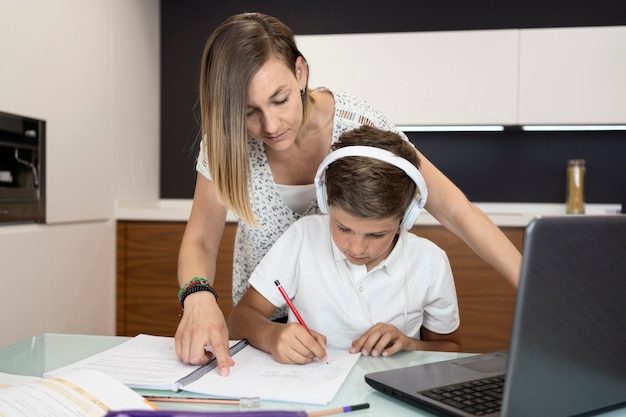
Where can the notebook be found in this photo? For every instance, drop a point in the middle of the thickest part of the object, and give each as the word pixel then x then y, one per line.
pixel 567 352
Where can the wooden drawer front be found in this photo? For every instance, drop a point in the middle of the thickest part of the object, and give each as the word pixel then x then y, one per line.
pixel 486 299
pixel 147 262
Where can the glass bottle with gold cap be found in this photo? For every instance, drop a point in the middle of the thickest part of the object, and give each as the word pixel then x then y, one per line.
pixel 575 193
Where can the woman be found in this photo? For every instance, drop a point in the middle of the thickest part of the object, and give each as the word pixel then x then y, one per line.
pixel 264 135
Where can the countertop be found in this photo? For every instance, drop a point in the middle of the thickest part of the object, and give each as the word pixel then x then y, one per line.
pixel 502 214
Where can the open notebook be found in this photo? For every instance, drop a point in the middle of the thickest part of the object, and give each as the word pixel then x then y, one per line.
pixel 567 354
pixel 150 362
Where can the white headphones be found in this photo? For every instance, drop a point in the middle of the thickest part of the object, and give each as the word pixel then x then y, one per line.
pixel 416 205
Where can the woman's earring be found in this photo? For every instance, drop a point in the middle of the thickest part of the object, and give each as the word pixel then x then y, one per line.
pixel 302 91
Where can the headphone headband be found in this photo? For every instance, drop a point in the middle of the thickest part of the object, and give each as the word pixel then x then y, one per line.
pixel 416 204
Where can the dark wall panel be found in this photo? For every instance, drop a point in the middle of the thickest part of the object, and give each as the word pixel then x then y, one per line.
pixel 530 167
pixel 185 25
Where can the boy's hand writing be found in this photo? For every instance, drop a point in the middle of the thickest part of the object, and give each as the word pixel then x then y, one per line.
pixel 293 344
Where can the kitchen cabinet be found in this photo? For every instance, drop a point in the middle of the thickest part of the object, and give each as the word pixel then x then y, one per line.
pixel 573 75
pixel 57 279
pixel 147 288
pixel 146 278
pixel 147 255
pixel 486 300
pixel 477 77
pixel 423 78
pixel 91 71
pixel 73 95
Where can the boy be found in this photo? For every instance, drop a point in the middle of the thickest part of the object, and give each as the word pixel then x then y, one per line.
pixel 349 273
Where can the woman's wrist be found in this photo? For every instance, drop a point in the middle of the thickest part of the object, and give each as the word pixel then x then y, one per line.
pixel 193 286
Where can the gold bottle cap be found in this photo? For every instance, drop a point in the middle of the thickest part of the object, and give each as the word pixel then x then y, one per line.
pixel 576 162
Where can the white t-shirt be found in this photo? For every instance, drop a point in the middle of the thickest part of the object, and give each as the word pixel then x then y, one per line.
pixel 412 287
pixel 297 197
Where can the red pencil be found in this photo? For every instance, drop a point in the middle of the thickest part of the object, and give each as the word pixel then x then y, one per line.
pixel 292 307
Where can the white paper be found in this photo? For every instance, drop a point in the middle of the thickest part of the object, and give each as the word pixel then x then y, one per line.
pixel 8 380
pixel 150 362
pixel 143 362
pixel 81 393
pixel 257 374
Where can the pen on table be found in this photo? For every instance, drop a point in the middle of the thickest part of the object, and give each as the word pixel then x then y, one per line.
pixel 292 307
pixel 338 410
pixel 243 402
pixel 256 413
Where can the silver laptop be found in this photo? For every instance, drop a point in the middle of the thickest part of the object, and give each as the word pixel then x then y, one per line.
pixel 567 353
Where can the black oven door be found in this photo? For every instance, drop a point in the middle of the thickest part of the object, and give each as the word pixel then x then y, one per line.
pixel 22 174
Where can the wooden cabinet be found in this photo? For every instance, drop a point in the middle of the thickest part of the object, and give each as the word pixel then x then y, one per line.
pixel 147 254
pixel 147 288
pixel 486 299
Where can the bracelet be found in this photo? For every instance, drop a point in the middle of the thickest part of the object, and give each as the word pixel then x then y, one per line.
pixel 195 285
pixel 191 282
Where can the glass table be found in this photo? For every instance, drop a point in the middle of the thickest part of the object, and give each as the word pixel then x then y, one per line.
pixel 49 351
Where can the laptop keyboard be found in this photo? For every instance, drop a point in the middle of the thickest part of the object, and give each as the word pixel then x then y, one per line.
pixel 479 397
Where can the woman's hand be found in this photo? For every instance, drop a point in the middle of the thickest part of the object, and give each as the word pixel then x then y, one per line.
pixel 203 325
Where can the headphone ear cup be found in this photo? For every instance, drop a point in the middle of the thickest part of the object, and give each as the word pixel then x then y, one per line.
pixel 322 197
pixel 411 214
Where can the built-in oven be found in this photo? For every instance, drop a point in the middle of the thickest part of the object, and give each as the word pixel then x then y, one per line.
pixel 22 169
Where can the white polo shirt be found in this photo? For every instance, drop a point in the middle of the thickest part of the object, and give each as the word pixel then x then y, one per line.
pixel 412 287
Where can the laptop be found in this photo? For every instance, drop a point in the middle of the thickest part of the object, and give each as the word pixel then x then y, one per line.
pixel 567 352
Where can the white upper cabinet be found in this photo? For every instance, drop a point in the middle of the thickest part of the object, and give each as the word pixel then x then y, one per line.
pixel 573 75
pixel 422 78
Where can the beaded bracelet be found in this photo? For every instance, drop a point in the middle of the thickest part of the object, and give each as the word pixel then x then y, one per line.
pixel 190 283
pixel 195 285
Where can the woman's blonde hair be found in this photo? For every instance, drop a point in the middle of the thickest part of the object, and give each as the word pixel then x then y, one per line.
pixel 234 52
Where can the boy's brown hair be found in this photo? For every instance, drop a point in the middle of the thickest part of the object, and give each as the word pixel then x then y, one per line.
pixel 367 187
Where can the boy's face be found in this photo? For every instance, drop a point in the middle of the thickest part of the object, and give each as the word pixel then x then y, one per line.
pixel 363 241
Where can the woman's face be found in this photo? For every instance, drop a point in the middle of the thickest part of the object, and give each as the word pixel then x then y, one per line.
pixel 274 110
pixel 363 241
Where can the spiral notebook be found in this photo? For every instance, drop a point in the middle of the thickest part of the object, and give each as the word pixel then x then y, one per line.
pixel 150 362
pixel 147 362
